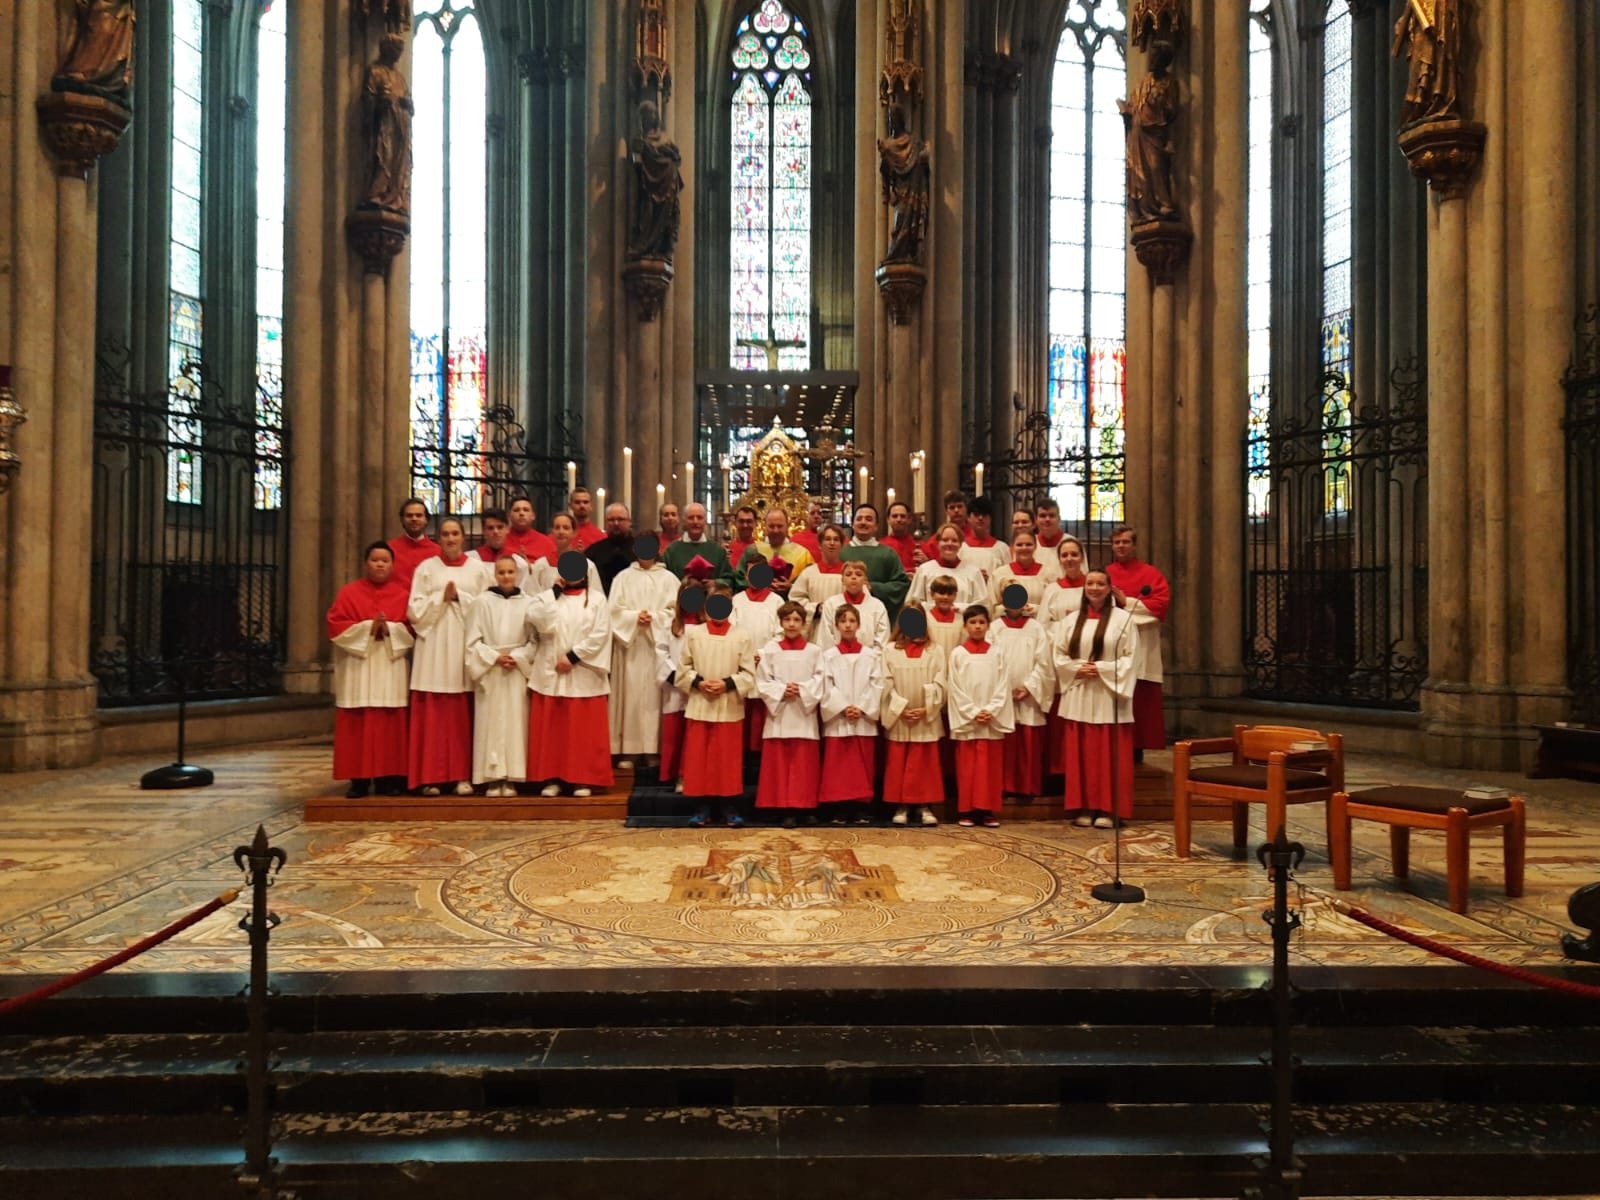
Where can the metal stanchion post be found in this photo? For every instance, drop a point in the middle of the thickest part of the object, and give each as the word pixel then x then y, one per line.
pixel 259 1173
pixel 1280 1171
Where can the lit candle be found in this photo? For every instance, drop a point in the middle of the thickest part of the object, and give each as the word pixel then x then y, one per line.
pixel 919 486
pixel 977 475
pixel 627 480
pixel 888 497
pixel 688 481
pixel 727 484
pixel 600 499
pixel 661 499
pixel 572 477
pixel 861 492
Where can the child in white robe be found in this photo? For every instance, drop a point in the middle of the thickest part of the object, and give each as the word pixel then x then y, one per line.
pixel 874 616
pixel 569 738
pixel 1096 652
pixel 851 700
pixel 669 656
pixel 913 702
pixel 755 612
pixel 442 590
pixel 790 683
pixel 1025 648
pixel 981 714
pixel 718 674
pixel 642 596
pixel 499 660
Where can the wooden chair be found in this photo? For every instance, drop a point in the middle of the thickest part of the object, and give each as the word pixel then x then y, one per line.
pixel 1265 770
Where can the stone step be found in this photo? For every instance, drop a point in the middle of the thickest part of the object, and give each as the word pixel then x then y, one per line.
pixel 610 804
pixel 1055 1150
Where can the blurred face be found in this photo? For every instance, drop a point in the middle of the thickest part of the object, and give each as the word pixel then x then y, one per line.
pixel 380 565
pixel 980 523
pixel 956 513
pixel 949 548
pixel 521 515
pixel 777 525
pixel 1096 588
pixel 505 574
pixel 1021 521
pixel 414 520
pixel 669 519
pixel 814 517
pixel 452 539
pixel 899 520
pixel 744 523
pixel 1047 521
pixel 865 524
pixel 1023 547
pixel 494 532
pixel 582 505
pixel 1071 555
pixel 618 523
pixel 793 623
pixel 849 625
pixel 561 532
pixel 1124 546
pixel 977 627
pixel 694 521
pixel 944 601
pixel 854 577
pixel 831 544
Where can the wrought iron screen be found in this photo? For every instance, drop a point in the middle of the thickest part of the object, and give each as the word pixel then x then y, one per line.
pixel 189 596
pixel 484 464
pixel 1582 383
pixel 1336 575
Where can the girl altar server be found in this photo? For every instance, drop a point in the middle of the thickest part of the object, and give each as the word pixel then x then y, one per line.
pixel 499 660
pixel 972 585
pixel 569 738
pixel 718 674
pixel 851 700
pixel 642 597
pixel 755 610
pixel 822 579
pixel 1025 569
pixel 370 677
pixel 669 657
pixel 542 571
pixel 913 695
pixel 790 683
pixel 442 590
pixel 981 714
pixel 1061 600
pixel 1024 647
pixel 874 616
pixel 1094 660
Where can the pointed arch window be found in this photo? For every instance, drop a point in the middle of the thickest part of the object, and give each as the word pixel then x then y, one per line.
pixel 185 296
pixel 769 295
pixel 1338 187
pixel 272 100
pixel 449 256
pixel 1258 261
pixel 1087 377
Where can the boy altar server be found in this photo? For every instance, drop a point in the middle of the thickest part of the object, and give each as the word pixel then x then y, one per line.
pixel 874 616
pixel 642 597
pixel 370 677
pixel 568 730
pixel 669 657
pixel 499 659
pixel 913 695
pixel 981 714
pixel 790 683
pixel 718 673
pixel 442 589
pixel 1024 647
pixel 851 700
pixel 755 610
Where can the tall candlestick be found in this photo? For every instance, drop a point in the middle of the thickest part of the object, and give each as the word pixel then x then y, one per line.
pixel 572 477
pixel 919 484
pixel 661 499
pixel 688 481
pixel 727 484
pixel 627 480
pixel 977 476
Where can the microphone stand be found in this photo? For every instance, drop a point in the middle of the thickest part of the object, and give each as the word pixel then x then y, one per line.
pixel 1117 892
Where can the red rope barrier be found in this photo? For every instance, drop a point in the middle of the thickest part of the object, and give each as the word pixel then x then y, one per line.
pixel 1586 990
pixel 28 999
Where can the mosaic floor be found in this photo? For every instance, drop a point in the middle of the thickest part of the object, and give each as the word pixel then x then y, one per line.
pixel 89 863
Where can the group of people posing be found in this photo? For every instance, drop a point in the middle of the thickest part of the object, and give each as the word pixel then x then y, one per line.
pixel 847 671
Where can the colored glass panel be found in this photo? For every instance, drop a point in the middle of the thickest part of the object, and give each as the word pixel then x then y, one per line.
pixel 271 123
pixel 1258 272
pixel 185 431
pixel 1338 185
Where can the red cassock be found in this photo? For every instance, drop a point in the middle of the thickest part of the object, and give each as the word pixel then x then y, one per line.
pixel 1024 760
pixel 847 766
pixel 713 764
pixel 442 752
pixel 569 739
pixel 1092 782
pixel 979 769
pixel 408 553
pixel 671 746
pixel 906 548
pixel 587 535
pixel 912 773
pixel 1149 722
pixel 532 545
pixel 789 773
pixel 736 550
pixel 808 539
pixel 368 742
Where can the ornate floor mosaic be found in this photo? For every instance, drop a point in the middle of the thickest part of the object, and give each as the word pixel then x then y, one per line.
pixel 88 863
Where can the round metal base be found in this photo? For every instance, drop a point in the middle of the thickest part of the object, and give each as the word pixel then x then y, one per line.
pixel 177 775
pixel 1117 893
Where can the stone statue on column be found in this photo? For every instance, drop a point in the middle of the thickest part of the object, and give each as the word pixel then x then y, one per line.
pixel 1428 33
pixel 1149 116
pixel 388 130
pixel 658 179
pixel 903 167
pixel 99 61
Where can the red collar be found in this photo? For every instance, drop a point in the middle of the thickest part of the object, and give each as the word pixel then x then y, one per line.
pixel 718 628
pixel 567 590
pixel 758 594
pixel 973 539
pixel 1031 569
pixel 824 569
pixel 914 649
pixel 849 647
pixel 973 647
pixel 855 597
pixel 1071 583
pixel 940 617
pixel 949 566
pixel 789 643
pixel 1014 622
pixel 1090 614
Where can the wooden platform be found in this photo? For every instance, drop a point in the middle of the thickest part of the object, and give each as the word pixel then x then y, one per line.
pixel 1152 801
pixel 610 805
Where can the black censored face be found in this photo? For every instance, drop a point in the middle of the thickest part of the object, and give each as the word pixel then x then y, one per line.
pixel 692 602
pixel 1014 596
pixel 719 607
pixel 646 547
pixel 760 575
pixel 573 566
pixel 913 623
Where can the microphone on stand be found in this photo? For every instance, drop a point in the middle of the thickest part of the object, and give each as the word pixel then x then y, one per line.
pixel 1117 892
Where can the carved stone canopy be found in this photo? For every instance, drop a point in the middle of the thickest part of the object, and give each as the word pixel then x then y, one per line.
pixel 1150 20
pixel 1163 248
pixel 647 281
pixel 377 235
pixel 901 284
pixel 80 129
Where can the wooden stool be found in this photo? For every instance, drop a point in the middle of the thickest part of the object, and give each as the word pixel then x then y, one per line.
pixel 1403 809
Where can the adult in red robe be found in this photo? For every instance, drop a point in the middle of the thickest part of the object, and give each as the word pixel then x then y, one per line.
pixel 369 739
pixel 1143 591
pixel 585 532
pixel 413 545
pixel 810 535
pixel 523 538
pixel 899 538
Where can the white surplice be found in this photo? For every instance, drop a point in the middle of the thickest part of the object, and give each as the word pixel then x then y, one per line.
pixel 439 662
pixel 979 683
pixel 579 626
pixel 497 625
pixel 790 717
pixel 972 585
pixel 874 629
pixel 635 694
pixel 1027 655
pixel 851 680
pixel 372 672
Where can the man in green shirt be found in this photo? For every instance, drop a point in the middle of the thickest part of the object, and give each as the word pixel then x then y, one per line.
pixel 694 542
pixel 886 575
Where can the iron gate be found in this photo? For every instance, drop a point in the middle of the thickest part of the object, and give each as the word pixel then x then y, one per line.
pixel 1336 576
pixel 1582 383
pixel 484 463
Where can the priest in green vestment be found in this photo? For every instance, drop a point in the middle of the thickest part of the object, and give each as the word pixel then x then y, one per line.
pixel 696 543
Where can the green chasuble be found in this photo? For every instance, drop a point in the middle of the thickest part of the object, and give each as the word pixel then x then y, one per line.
pixel 677 555
pixel 886 575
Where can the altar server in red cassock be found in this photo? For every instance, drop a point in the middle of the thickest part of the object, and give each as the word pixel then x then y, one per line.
pixel 874 630
pixel 755 611
pixel 1144 594
pixel 1061 600
pixel 852 697
pixel 981 714
pixel 1094 655
pixel 370 677
pixel 1024 647
pixel 442 590
pixel 522 538
pixel 789 681
pixel 499 660
pixel 413 546
pixel 1023 568
pixel 569 733
pixel 669 641
pixel 718 674
pixel 913 697
pixel 641 599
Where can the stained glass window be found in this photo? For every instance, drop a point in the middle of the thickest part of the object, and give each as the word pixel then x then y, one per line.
pixel 1258 266
pixel 1338 183
pixel 186 308
pixel 1087 274
pixel 769 293
pixel 271 121
pixel 449 257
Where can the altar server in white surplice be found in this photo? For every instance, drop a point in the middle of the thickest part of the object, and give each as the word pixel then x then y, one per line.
pixel 851 701
pixel 371 678
pixel 790 682
pixel 642 596
pixel 569 733
pixel 873 615
pixel 499 660
pixel 442 590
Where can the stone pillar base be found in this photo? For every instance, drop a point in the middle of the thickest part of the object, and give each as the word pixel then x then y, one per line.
pixel 308 679
pixel 1487 729
pixel 49 725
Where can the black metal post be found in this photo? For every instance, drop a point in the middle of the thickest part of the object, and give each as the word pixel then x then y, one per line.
pixel 179 774
pixel 258 1174
pixel 1280 1171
